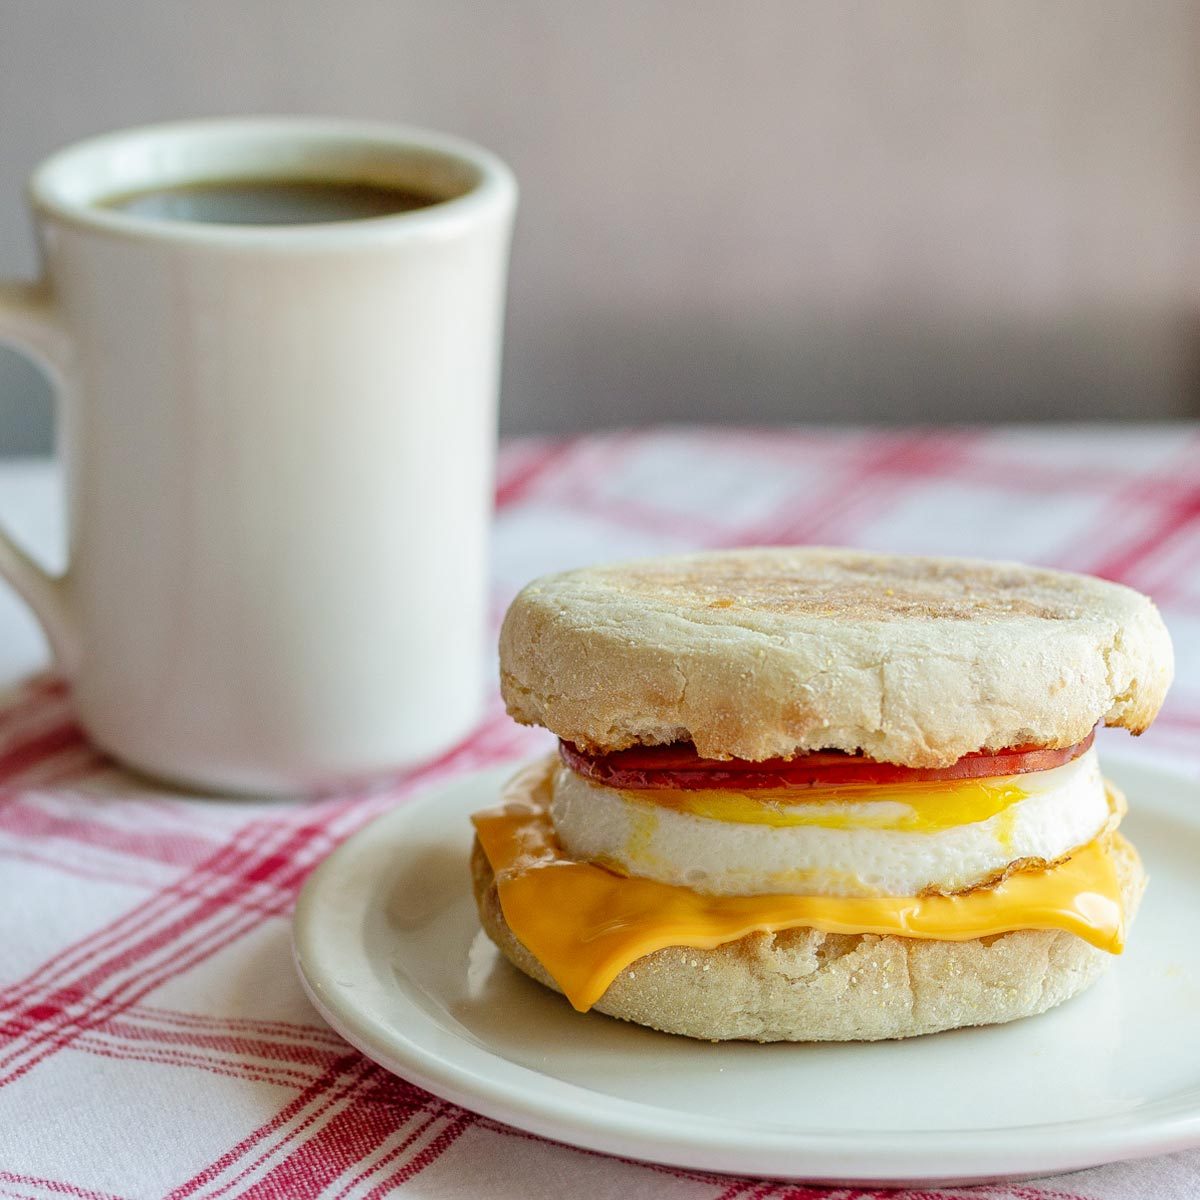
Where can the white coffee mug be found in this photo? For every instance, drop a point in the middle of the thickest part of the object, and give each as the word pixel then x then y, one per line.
pixel 279 444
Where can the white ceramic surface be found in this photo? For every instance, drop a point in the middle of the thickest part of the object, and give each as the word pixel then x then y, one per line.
pixel 389 949
pixel 279 447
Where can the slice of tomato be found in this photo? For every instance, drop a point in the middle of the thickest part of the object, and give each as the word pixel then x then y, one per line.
pixel 679 766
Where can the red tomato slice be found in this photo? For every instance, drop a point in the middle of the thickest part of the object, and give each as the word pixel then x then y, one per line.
pixel 678 766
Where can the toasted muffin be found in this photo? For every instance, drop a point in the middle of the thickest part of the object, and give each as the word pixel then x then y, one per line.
pixel 814 794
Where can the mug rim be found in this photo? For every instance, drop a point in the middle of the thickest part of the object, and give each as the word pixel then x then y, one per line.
pixel 492 187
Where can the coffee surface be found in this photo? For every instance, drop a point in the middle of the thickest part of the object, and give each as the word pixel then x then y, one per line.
pixel 270 202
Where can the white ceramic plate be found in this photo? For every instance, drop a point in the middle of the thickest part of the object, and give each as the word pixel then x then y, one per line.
pixel 389 949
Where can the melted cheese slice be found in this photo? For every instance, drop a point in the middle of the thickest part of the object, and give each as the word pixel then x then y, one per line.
pixel 585 924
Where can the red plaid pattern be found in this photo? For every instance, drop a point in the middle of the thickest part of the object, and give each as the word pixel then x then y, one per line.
pixel 153 1039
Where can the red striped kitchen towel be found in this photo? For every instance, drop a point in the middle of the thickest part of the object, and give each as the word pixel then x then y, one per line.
pixel 153 1038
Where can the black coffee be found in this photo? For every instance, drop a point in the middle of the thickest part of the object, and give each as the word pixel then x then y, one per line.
pixel 271 202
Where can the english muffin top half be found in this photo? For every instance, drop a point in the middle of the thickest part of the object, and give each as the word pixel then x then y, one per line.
pixel 769 653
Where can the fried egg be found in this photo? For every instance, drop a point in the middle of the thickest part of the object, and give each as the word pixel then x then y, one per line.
pixel 898 839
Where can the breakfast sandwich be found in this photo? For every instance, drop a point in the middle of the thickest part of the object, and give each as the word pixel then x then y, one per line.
pixel 812 794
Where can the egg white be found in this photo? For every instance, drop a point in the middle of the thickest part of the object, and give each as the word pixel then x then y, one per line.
pixel 1063 808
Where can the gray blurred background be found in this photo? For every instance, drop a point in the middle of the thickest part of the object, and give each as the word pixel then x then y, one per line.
pixel 768 211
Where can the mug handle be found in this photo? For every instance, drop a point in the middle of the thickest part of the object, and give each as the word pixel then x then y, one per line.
pixel 30 323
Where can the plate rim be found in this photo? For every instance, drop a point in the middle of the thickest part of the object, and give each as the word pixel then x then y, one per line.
pixel 940 1156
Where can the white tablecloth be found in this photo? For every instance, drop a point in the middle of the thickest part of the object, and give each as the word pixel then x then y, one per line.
pixel 153 1038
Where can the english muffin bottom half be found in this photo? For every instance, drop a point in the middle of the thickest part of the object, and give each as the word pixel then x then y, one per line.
pixel 808 794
